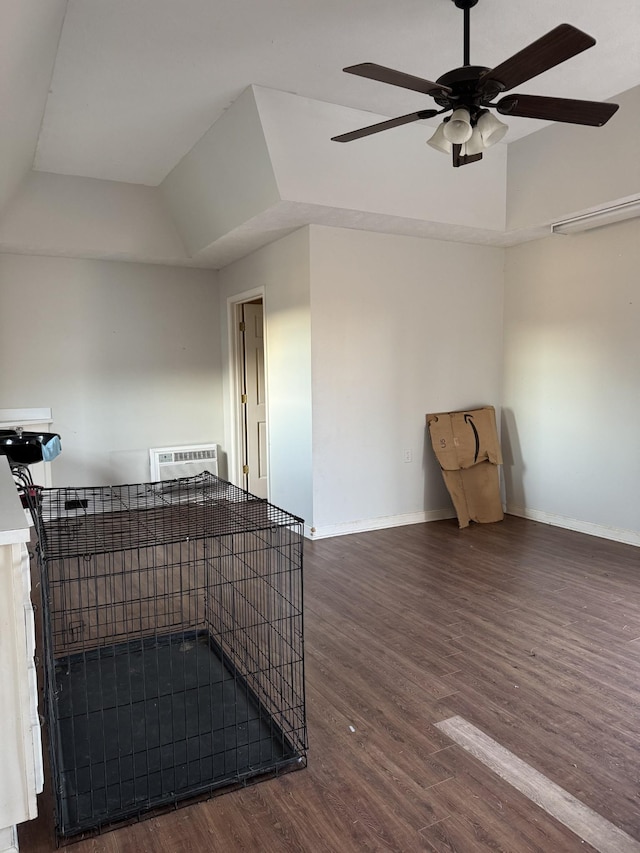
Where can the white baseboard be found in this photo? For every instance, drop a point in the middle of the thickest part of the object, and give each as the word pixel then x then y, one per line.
pixel 379 523
pixel 629 537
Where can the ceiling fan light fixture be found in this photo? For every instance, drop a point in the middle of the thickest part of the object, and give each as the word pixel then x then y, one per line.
pixel 491 128
pixel 458 129
pixel 439 141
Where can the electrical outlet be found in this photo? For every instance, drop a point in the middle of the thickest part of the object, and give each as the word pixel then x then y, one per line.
pixel 408 456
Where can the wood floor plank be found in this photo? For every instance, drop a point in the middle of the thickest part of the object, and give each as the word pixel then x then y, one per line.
pixel 554 800
pixel 470 835
pixel 525 630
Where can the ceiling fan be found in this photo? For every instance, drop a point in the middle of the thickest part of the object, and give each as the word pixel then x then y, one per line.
pixel 468 93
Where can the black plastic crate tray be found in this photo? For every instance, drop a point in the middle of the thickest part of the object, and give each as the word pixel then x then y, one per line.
pixel 149 722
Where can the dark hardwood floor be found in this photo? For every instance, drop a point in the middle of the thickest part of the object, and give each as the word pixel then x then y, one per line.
pixel 529 632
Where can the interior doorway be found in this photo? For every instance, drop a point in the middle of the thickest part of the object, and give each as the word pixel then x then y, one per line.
pixel 251 402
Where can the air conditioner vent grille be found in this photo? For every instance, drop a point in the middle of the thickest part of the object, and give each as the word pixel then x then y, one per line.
pixel 170 463
pixel 190 455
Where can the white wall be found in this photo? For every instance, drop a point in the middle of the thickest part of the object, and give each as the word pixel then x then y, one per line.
pixel 401 327
pixel 89 218
pixel 29 35
pixel 282 269
pixel 126 355
pixel 393 173
pixel 572 381
pixel 226 179
pixel 564 169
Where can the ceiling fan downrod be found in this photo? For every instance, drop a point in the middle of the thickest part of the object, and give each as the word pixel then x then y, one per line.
pixel 466 6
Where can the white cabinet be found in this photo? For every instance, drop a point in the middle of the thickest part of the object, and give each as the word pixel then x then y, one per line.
pixel 21 775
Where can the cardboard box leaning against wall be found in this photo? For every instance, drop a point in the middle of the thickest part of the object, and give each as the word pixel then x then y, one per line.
pixel 466 446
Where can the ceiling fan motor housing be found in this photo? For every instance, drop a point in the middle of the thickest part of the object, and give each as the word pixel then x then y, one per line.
pixel 465 91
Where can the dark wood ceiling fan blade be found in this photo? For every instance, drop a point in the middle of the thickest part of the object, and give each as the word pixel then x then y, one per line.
pixel 550 50
pixel 396 78
pixel 594 113
pixel 384 125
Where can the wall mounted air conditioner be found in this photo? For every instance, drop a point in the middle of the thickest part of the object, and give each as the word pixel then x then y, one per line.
pixel 184 460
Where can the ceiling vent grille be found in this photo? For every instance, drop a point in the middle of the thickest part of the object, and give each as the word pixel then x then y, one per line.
pixel 598 218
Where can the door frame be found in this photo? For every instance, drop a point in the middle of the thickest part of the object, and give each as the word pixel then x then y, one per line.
pixel 234 315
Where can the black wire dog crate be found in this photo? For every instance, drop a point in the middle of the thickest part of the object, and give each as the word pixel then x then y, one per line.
pixel 172 616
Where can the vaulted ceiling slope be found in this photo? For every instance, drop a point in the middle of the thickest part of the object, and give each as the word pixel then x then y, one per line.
pixel 191 131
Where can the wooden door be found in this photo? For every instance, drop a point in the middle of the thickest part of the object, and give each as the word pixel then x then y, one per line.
pixel 254 401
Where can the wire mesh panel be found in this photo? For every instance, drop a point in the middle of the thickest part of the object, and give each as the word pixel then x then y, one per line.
pixel 172 617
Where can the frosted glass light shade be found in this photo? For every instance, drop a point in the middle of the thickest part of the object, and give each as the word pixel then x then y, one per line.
pixel 491 128
pixel 439 140
pixel 458 129
pixel 475 145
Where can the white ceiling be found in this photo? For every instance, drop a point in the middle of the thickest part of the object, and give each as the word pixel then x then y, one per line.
pixel 137 82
